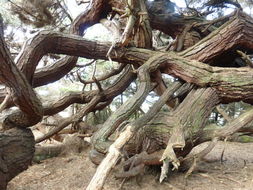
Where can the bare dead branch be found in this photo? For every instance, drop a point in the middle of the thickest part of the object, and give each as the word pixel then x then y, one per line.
pixel 86 64
pixel 246 58
pixel 113 90
pixel 224 114
pixel 5 102
pixel 74 118
pixel 100 89
pixel 20 91
pixel 114 150
pixel 235 124
pixel 105 76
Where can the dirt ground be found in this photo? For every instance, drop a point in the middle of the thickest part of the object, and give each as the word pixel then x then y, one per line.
pixel 74 172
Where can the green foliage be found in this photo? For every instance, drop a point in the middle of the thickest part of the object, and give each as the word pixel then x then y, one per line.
pixel 219 3
pixel 9 19
pixel 39 13
pixel 245 139
pixel 98 117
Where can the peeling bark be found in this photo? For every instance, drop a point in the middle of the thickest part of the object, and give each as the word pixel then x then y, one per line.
pixel 180 129
pixel 80 47
pixel 17 154
pixel 114 150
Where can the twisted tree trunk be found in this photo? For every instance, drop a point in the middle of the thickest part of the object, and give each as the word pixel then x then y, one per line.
pixel 174 133
pixel 16 141
pixel 16 153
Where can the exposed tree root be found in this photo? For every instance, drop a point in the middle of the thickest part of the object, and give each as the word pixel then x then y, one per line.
pixel 114 150
pixel 198 157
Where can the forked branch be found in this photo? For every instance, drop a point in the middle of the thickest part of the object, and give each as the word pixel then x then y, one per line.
pixel 114 153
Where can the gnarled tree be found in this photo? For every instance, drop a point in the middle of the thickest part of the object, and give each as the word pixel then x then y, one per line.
pixel 205 57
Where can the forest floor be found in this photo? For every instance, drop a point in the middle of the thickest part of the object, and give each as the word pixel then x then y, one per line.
pixel 73 172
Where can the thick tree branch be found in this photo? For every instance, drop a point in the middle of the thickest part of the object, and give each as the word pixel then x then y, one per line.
pixel 21 91
pixel 112 91
pixel 228 36
pixel 110 160
pixel 235 125
pixel 74 118
pixel 54 72
pixel 67 44
pixel 35 49
pixel 100 139
pixel 107 75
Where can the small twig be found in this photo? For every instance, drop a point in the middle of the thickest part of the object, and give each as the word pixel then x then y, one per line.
pixel 171 44
pixel 83 2
pixel 173 187
pixel 224 114
pixel 192 168
pixel 246 58
pixel 110 50
pixel 94 70
pixel 94 78
pixel 86 64
pixel 98 84
pixel 105 76
pixel 119 11
pixel 222 155
pixel 65 11
pixel 81 80
pixel 122 183
pixel 231 179
pixel 199 156
pixel 164 170
pixel 5 102
pixel 206 176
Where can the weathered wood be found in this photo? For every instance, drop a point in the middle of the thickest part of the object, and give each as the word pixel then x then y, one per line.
pixel 226 80
pixel 235 125
pixel 16 153
pixel 72 144
pixel 111 158
pixel 23 96
pixel 100 141
pixel 22 93
pixel 74 118
pixel 182 127
pixel 123 81
pixel 190 118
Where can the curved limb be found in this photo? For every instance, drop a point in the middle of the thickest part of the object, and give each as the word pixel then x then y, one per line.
pixel 114 150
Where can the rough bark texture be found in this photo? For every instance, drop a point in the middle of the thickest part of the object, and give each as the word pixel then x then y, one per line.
pixel 201 63
pixel 189 117
pixel 17 148
pixel 201 75
pixel 23 96
pixel 114 151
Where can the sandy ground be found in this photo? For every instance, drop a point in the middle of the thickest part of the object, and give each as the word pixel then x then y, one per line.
pixel 75 171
